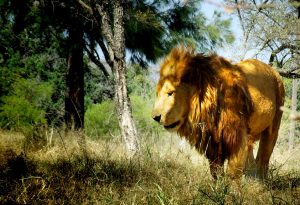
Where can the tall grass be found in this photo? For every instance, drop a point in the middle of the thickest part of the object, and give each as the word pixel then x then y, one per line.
pixel 163 173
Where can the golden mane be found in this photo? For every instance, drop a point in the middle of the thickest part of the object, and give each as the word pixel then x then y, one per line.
pixel 220 106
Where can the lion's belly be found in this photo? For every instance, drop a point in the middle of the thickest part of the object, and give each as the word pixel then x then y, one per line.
pixel 262 88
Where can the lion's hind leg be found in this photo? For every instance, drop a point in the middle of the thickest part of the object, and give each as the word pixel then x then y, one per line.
pixel 266 146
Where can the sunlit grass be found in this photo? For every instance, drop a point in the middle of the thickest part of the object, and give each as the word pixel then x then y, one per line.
pixel 167 171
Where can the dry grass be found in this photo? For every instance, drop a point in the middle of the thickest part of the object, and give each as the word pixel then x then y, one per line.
pixel 97 172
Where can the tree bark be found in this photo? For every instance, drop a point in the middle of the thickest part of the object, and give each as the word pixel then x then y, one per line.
pixel 294 107
pixel 126 122
pixel 113 30
pixel 74 98
pixel 294 104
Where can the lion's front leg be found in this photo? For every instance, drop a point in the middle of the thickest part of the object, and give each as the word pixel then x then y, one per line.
pixel 216 168
pixel 237 159
pixel 216 160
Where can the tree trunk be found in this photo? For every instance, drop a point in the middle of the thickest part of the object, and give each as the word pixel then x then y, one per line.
pixel 126 122
pixel 294 108
pixel 122 101
pixel 113 30
pixel 74 99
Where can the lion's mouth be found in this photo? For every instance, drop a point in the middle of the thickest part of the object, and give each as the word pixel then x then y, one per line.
pixel 172 125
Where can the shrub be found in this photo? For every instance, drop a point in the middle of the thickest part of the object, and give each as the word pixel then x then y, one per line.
pixel 141 109
pixel 24 108
pixel 101 119
pixel 139 82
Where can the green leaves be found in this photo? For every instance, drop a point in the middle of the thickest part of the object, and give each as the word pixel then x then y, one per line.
pixel 152 29
pixel 218 31
pixel 25 106
pixel 33 47
pixel 101 120
pixel 2 2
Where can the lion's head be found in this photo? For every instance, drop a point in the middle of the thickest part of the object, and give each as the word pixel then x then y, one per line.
pixel 185 89
pixel 171 107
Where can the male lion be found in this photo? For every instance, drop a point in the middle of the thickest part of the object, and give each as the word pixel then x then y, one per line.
pixel 221 108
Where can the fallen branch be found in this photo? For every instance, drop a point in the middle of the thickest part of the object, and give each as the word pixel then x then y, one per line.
pixel 293 115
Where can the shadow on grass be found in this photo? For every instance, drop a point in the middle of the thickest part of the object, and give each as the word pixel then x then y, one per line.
pixel 94 170
pixel 282 181
pixel 104 180
pixel 25 181
pixel 13 168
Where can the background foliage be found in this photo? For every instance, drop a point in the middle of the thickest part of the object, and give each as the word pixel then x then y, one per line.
pixel 34 42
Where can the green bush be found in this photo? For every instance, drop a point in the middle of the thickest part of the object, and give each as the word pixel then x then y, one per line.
pixel 139 82
pixel 24 108
pixel 141 109
pixel 101 119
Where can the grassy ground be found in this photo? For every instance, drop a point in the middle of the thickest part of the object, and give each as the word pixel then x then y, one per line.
pixel 97 172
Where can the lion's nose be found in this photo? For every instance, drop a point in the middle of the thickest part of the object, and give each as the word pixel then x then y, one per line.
pixel 157 118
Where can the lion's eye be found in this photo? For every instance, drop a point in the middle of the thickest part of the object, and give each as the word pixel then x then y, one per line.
pixel 170 93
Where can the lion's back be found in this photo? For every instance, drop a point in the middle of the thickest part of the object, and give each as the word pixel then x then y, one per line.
pixel 266 91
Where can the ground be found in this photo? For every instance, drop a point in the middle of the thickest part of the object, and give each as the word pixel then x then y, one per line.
pixel 166 172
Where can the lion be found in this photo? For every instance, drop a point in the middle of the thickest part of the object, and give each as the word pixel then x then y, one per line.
pixel 221 108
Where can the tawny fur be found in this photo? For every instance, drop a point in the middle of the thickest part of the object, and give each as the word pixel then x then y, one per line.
pixel 221 106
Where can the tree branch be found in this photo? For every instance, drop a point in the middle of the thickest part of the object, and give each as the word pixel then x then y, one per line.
pixel 108 53
pixel 280 49
pixel 106 29
pixel 270 17
pixel 289 74
pixel 295 116
pixel 87 7
pixel 105 52
pixel 97 62
pixel 265 44
pixel 240 16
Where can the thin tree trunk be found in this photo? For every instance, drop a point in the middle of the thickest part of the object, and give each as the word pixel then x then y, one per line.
pixel 74 99
pixel 126 122
pixel 116 49
pixel 294 108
